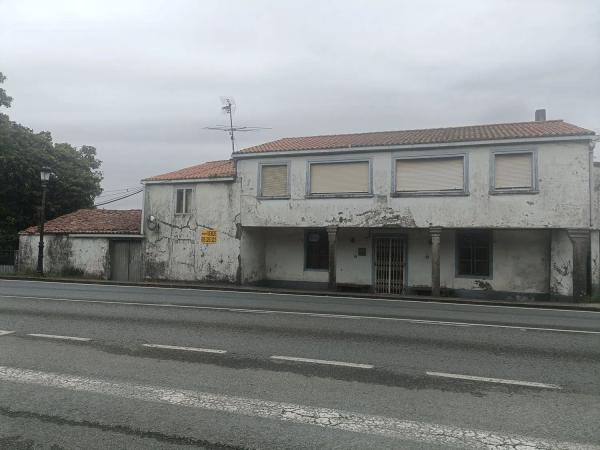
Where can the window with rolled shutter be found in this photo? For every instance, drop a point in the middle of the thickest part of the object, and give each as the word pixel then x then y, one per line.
pixel 340 178
pixel 274 181
pixel 430 175
pixel 513 171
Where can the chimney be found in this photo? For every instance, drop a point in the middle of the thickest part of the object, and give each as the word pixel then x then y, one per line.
pixel 540 115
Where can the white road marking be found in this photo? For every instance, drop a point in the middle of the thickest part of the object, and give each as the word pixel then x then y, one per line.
pixel 284 294
pixel 323 361
pixel 189 349
pixel 57 336
pixel 4 332
pixel 299 313
pixel 494 380
pixel 423 432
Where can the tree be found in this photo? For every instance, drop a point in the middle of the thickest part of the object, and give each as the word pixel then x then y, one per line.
pixel 5 100
pixel 75 184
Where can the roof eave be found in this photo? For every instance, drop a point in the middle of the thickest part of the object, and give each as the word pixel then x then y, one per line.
pixel 586 137
pixel 190 180
pixel 79 234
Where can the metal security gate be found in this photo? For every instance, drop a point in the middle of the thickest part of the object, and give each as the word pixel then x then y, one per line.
pixel 126 260
pixel 390 263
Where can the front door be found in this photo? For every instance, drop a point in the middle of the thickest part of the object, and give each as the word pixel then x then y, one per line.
pixel 390 263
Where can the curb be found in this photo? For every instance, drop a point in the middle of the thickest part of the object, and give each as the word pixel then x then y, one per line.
pixel 366 296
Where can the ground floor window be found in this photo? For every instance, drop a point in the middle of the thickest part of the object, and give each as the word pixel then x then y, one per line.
pixel 474 252
pixel 316 249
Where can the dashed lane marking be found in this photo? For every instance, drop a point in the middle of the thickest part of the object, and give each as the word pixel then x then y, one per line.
pixel 323 361
pixel 188 349
pixel 59 337
pixel 493 380
pixel 4 332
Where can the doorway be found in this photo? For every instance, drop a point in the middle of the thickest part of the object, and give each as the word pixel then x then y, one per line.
pixel 126 260
pixel 389 257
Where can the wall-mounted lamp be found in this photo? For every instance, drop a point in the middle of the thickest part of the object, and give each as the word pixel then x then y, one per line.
pixel 152 223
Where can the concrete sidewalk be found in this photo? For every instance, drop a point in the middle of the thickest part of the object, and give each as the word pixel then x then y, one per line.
pixel 595 307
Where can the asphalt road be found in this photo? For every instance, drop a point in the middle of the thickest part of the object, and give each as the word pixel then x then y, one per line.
pixel 95 366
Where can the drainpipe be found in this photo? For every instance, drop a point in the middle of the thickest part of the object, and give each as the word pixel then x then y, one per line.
pixel 591 144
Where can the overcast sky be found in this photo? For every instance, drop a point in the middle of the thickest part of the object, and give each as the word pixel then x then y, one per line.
pixel 140 80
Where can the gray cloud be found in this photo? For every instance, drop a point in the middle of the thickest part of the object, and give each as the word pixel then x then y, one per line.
pixel 140 79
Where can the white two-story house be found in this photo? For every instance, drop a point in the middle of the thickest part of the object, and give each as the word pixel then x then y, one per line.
pixel 498 211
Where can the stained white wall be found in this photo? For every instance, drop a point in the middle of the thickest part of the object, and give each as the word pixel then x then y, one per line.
pixel 252 255
pixel 284 257
pixel 63 253
pixel 520 260
pixel 174 250
pixel 562 201
pixel 561 275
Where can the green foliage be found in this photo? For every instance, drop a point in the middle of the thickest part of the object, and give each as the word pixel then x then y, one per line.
pixel 5 100
pixel 75 184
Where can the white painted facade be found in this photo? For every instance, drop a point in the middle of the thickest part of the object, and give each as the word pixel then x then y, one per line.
pixel 562 200
pixel 263 240
pixel 65 255
pixel 173 249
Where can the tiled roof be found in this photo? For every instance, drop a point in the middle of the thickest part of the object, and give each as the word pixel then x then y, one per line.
pixel 211 169
pixel 519 130
pixel 94 221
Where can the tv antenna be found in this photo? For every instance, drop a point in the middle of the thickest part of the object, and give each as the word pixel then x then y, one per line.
pixel 229 108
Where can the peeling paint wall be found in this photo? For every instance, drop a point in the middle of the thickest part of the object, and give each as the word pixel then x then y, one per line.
pixel 264 239
pixel 66 256
pixel 595 263
pixel 284 257
pixel 252 255
pixel 561 264
pixel 562 201
pixel 173 250
pixel 520 261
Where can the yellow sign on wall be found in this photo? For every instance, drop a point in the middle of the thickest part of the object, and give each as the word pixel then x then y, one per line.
pixel 208 236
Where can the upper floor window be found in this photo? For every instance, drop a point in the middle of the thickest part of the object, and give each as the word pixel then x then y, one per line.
pixel 184 201
pixel 513 172
pixel 430 175
pixel 339 178
pixel 274 181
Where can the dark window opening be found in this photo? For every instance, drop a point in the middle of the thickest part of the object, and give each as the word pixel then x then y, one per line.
pixel 474 252
pixel 316 244
pixel 184 201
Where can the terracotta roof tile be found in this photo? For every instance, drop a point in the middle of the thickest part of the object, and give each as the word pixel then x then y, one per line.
pixel 211 169
pixel 549 128
pixel 94 221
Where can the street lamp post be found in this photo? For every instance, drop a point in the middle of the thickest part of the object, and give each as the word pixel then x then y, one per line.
pixel 44 176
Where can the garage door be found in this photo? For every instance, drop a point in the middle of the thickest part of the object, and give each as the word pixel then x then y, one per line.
pixel 126 260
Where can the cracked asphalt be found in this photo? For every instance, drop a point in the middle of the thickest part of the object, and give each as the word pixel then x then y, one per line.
pixel 115 392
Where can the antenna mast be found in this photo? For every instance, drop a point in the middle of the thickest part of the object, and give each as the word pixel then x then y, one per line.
pixel 228 108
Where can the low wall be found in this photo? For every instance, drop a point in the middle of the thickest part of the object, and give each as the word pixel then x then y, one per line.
pixel 66 256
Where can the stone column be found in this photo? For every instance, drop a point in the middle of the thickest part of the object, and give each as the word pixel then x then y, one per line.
pixel 580 240
pixel 595 262
pixel 332 236
pixel 435 234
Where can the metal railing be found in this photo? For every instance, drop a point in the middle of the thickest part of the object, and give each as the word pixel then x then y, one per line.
pixel 8 261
